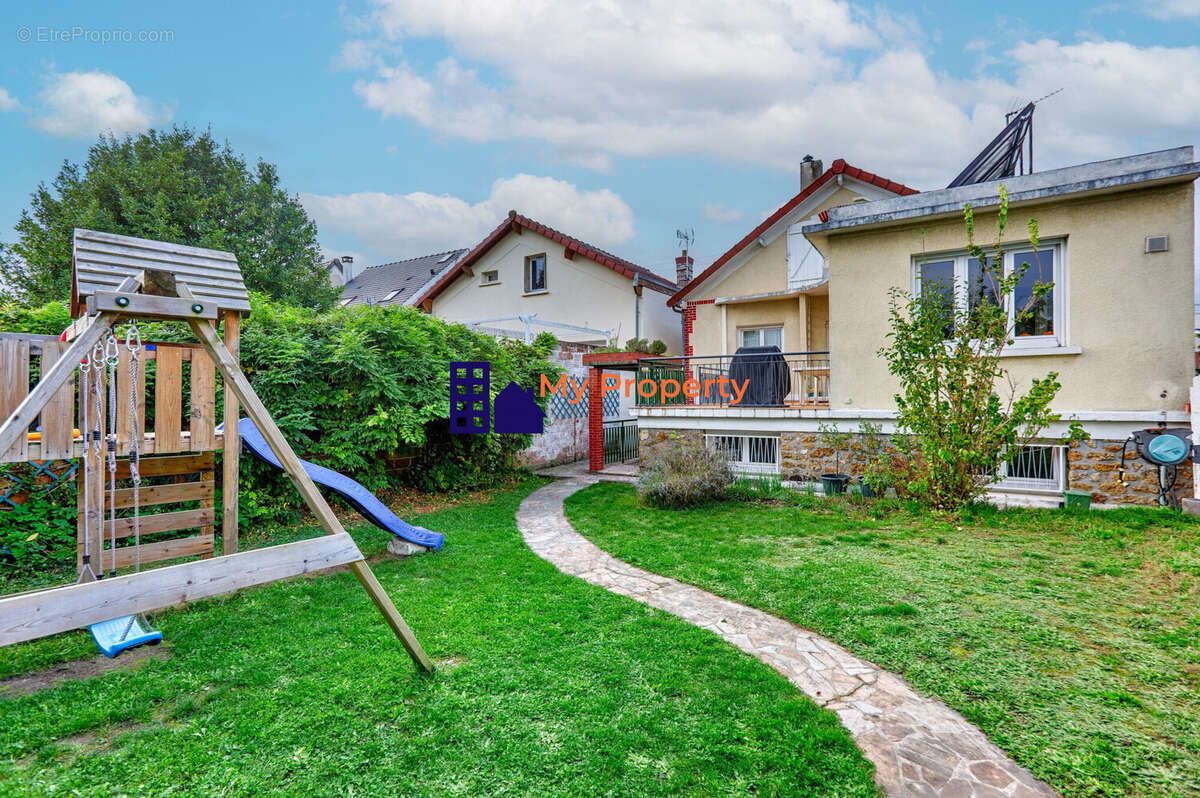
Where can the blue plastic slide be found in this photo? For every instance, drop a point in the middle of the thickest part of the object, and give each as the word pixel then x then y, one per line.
pixel 359 497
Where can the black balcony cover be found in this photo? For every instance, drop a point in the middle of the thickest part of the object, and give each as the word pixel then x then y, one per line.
pixel 767 373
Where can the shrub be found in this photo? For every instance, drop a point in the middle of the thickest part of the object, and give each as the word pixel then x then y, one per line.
pixel 686 474
pixel 37 535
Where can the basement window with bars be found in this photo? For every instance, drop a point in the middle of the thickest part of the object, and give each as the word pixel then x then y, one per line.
pixel 748 454
pixel 1038 467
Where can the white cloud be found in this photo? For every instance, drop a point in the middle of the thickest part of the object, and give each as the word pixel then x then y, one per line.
pixel 719 213
pixel 391 226
pixel 760 83
pixel 1172 9
pixel 7 101
pixel 81 105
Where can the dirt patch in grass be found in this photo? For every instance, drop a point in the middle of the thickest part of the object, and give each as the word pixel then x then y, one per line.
pixel 81 669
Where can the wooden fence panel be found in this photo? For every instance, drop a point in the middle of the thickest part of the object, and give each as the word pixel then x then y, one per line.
pixel 58 416
pixel 168 399
pixel 14 370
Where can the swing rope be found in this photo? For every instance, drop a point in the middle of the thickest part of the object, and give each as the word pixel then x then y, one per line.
pixel 97 450
pixel 86 568
pixel 112 358
pixel 133 343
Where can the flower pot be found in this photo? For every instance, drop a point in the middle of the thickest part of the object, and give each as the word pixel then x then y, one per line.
pixel 834 484
pixel 1077 499
pixel 867 491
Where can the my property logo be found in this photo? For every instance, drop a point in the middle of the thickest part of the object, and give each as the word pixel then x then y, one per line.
pixel 665 388
pixel 516 411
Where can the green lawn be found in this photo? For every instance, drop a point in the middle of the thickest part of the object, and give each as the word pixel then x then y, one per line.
pixel 547 686
pixel 1072 640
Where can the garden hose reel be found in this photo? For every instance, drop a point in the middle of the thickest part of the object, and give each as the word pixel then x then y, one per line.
pixel 1164 447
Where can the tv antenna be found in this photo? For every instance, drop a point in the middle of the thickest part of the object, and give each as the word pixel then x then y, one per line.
pixel 686 237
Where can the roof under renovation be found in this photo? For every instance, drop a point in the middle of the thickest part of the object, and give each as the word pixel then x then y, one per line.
pixel 397 282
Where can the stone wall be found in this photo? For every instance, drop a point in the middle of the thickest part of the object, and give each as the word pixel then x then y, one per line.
pixel 650 442
pixel 565 438
pixel 1092 465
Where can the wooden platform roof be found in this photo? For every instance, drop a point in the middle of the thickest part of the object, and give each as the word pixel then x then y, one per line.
pixel 102 260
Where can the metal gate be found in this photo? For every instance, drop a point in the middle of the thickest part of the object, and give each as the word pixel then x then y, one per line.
pixel 620 441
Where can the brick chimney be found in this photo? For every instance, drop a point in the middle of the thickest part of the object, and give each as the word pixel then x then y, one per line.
pixel 810 169
pixel 683 269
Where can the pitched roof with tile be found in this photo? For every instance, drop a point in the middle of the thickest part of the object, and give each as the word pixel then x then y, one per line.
pixel 839 167
pixel 573 246
pixel 395 283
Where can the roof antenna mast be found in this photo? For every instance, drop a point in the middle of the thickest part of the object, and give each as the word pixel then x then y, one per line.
pixel 686 238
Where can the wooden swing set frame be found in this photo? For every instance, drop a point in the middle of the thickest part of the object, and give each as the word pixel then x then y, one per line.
pixel 165 294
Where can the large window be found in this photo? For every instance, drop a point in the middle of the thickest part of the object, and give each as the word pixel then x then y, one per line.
pixel 535 274
pixel 964 285
pixel 761 336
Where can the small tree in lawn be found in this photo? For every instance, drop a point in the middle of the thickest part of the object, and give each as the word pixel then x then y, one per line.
pixel 959 409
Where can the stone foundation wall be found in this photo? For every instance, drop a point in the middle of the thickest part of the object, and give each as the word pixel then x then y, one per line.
pixel 651 441
pixel 1092 465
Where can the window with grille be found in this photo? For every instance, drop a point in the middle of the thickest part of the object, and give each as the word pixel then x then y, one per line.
pixel 1037 467
pixel 748 454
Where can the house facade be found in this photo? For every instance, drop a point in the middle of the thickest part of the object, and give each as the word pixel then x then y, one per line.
pixel 772 287
pixel 1116 239
pixel 525 278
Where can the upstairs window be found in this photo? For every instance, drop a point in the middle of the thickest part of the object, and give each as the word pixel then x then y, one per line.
pixel 490 277
pixel 535 274
pixel 965 285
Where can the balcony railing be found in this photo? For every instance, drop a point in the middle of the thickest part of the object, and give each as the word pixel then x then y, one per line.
pixel 787 379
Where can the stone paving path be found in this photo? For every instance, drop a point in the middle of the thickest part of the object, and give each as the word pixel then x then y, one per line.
pixel 920 746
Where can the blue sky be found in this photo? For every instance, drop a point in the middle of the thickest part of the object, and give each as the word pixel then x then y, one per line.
pixel 408 126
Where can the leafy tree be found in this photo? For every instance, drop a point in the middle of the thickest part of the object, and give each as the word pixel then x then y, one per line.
pixel 178 185
pixel 956 428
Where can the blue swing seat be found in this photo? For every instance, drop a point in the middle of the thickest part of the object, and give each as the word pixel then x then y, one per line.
pixel 108 635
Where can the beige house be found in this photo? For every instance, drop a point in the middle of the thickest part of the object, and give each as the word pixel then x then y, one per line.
pixel 772 287
pixel 525 277
pixel 1117 241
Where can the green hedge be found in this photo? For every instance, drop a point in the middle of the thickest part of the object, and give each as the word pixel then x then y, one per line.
pixel 352 387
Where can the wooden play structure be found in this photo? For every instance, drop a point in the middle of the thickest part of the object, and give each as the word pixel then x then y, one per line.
pixel 99 384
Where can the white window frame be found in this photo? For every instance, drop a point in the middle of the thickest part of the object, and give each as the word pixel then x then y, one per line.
pixel 483 277
pixel 760 330
pixel 739 446
pixel 529 289
pixel 1011 255
pixel 1055 484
